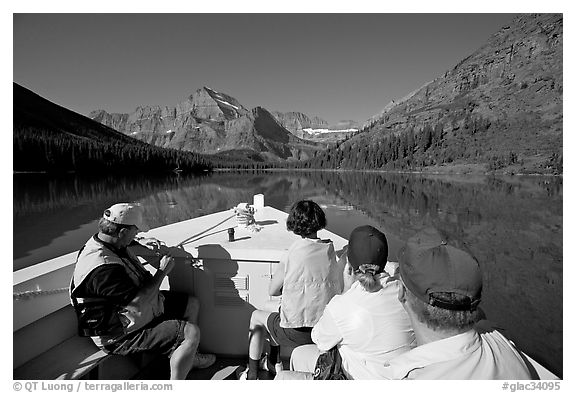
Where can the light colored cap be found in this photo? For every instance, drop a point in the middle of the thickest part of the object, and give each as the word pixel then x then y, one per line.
pixel 126 214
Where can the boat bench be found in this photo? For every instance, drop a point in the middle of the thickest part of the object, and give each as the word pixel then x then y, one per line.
pixel 74 358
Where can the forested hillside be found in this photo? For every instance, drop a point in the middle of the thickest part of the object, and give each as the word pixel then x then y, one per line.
pixel 47 137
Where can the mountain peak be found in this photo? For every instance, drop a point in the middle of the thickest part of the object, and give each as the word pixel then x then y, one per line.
pixel 210 121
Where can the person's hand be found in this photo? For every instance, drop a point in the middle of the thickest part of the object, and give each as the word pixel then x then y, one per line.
pixel 152 243
pixel 166 264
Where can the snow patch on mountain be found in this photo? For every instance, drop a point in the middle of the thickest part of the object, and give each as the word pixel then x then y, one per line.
pixel 226 103
pixel 316 131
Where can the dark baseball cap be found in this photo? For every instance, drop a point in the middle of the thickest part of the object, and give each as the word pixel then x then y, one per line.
pixel 367 245
pixel 428 265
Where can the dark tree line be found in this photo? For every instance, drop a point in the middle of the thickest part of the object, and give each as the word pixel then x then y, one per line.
pixel 44 150
pixel 408 149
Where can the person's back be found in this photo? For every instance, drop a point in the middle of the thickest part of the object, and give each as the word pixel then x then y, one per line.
pixel 307 277
pixel 475 354
pixel 311 278
pixel 373 325
pixel 367 323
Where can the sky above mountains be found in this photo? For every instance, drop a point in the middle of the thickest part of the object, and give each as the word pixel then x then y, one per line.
pixel 335 66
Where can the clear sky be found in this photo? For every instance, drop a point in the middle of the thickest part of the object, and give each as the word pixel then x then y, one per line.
pixel 335 66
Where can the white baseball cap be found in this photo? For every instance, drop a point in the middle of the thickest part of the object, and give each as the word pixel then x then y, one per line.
pixel 126 214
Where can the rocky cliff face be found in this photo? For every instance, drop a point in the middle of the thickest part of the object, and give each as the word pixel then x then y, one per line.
pixel 210 122
pixel 296 122
pixel 316 129
pixel 504 98
pixel 344 125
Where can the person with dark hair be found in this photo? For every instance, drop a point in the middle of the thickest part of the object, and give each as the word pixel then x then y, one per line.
pixel 366 323
pixel 119 304
pixel 307 278
pixel 305 219
pixel 441 291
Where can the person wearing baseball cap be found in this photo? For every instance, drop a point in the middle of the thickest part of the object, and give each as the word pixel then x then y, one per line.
pixel 119 304
pixel 441 292
pixel 367 323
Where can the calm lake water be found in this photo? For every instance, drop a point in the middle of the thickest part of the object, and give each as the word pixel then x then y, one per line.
pixel 512 225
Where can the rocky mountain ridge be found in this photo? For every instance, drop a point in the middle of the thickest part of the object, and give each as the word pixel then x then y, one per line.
pixel 503 103
pixel 296 122
pixel 211 122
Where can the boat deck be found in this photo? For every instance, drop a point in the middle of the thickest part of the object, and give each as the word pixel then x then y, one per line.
pixel 224 369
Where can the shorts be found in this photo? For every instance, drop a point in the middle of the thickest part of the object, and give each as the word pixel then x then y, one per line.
pixel 291 337
pixel 162 335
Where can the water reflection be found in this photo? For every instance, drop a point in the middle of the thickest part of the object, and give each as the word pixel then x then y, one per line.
pixel 513 225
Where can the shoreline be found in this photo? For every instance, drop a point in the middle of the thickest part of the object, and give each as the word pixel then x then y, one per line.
pixel 423 172
pixel 446 171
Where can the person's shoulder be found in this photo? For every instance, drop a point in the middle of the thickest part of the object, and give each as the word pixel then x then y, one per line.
pixel 321 243
pixel 297 243
pixel 91 246
pixel 346 297
pixel 490 333
pixel 336 303
pixel 303 242
pixel 95 252
pixel 109 271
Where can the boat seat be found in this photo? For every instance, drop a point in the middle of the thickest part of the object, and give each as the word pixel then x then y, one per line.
pixel 74 358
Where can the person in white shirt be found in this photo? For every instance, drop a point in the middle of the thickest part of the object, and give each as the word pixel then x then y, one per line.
pixel 441 292
pixel 367 323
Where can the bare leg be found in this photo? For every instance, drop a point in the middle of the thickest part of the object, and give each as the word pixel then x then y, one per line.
pixel 183 357
pixel 258 332
pixel 200 360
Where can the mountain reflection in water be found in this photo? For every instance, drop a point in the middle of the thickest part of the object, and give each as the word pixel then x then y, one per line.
pixel 512 225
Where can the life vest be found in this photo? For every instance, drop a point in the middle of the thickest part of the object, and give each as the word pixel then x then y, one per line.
pixel 311 279
pixel 104 318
